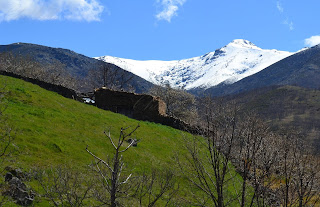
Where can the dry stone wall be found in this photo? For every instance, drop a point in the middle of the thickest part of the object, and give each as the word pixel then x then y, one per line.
pixel 66 92
pixel 138 106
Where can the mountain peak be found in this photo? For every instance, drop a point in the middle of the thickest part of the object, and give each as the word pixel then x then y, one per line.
pixel 242 43
pixel 233 62
pixel 21 43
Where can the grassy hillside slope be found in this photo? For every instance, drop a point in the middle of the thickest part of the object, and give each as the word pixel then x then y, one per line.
pixel 52 130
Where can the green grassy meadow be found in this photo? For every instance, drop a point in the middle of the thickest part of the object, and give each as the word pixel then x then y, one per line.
pixel 51 131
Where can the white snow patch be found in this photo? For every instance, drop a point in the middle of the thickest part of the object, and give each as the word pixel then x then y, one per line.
pixel 229 64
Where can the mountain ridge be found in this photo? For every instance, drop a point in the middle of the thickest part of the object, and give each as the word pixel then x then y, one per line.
pixel 75 64
pixel 231 63
pixel 300 69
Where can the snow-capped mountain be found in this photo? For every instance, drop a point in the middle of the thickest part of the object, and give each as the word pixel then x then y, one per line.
pixel 229 64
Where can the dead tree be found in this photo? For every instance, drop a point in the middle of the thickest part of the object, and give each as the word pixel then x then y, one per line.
pixel 113 179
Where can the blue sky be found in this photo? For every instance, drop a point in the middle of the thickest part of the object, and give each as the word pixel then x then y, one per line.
pixel 159 29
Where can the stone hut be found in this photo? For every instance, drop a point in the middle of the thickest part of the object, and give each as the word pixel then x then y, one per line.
pixel 137 106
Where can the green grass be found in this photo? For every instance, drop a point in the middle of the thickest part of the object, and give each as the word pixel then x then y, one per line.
pixel 52 130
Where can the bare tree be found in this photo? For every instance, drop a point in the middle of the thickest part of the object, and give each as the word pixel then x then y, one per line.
pixel 57 74
pixel 263 170
pixel 248 144
pixel 208 165
pixel 6 131
pixel 256 158
pixel 64 187
pixel 21 65
pixel 7 134
pixel 26 66
pixel 109 76
pixel 299 173
pixel 267 160
pixel 150 189
pixel 307 180
pixel 180 103
pixel 113 179
pixel 289 150
pixel 231 136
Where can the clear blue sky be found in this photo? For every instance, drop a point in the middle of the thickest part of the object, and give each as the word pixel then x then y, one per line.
pixel 159 29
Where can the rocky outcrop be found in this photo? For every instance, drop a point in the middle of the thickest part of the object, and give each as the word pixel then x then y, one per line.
pixel 16 189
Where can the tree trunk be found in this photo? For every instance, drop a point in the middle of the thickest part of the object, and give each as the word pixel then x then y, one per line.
pixel 244 187
pixel 220 196
pixel 114 180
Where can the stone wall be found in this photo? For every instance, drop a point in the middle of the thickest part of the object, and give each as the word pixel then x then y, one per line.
pixel 66 92
pixel 139 106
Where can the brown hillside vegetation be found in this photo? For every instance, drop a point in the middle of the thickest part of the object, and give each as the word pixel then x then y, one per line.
pixel 286 107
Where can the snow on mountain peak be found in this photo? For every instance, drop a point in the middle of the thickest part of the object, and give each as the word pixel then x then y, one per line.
pixel 231 63
pixel 242 43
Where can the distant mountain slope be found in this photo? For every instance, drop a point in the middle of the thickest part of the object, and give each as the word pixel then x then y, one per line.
pixel 301 69
pixel 76 64
pixel 290 107
pixel 231 63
